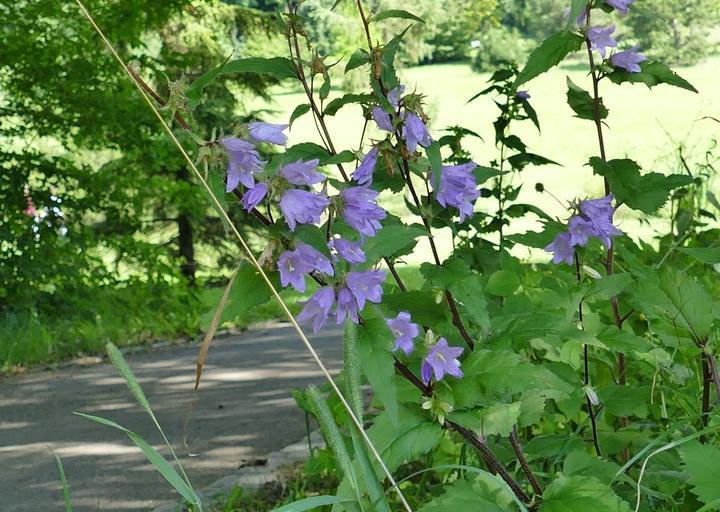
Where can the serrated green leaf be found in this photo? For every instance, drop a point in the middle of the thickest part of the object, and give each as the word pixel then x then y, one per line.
pixel 652 73
pixel 484 494
pixel 575 493
pixel 396 13
pixel 549 54
pixel 709 255
pixel 336 104
pixel 300 110
pixel 357 59
pixel 702 463
pixel 392 240
pixel 502 283
pixel 582 103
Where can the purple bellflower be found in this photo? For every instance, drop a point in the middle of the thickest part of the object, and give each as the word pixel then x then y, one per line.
pixel 382 119
pixel 522 95
pixel 580 230
pixel 314 258
pixel 458 188
pixel 395 96
pixel 601 39
pixel 620 6
pixel 415 132
pixel 629 60
pixel 317 308
pixel 302 173
pixel 441 360
pixel 243 162
pixel 293 265
pixel 599 212
pixel 404 332
pixel 347 306
pixel 363 175
pixel 562 249
pixel 268 132
pixel 366 286
pixel 349 251
pixel 361 211
pixel 302 207
pixel 254 196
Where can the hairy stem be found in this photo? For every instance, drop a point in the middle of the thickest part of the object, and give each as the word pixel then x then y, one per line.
pixel 515 442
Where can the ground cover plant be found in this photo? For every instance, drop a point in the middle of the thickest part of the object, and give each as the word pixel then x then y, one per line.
pixel 589 380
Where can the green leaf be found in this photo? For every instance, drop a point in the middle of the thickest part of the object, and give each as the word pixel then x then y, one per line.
pixel 324 91
pixel 582 463
pixel 334 105
pixel 411 436
pixel 311 503
pixel 709 255
pixel 520 160
pixel 422 305
pixel 549 54
pixel 64 483
pixel 357 59
pixel 483 494
pixel 651 74
pixel 646 192
pixel 575 493
pixel 396 13
pixel 625 400
pixel 702 463
pixel 310 150
pixel 482 173
pixel 277 67
pixel 158 461
pixel 387 60
pixel 502 283
pixel 300 110
pixel 391 241
pixel 375 342
pixel 582 103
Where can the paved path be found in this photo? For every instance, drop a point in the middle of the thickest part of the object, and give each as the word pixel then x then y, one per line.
pixel 244 410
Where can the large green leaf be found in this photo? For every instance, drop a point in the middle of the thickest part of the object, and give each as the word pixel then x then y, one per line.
pixel 644 192
pixel 396 13
pixel 375 343
pixel 549 54
pixel 333 106
pixel 576 493
pixel 709 255
pixel 582 103
pixel 651 74
pixel 158 461
pixel 503 283
pixel 277 67
pixel 702 463
pixel 392 240
pixel 422 305
pixel 482 494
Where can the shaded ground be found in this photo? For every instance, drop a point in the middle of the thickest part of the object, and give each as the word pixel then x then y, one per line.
pixel 244 410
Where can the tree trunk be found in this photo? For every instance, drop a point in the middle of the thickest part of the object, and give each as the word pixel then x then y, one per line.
pixel 186 244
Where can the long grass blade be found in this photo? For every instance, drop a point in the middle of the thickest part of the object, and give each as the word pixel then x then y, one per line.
pixel 311 503
pixel 246 248
pixel 158 461
pixel 64 482
pixel 375 491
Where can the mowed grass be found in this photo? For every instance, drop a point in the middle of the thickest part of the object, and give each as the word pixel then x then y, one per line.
pixel 645 125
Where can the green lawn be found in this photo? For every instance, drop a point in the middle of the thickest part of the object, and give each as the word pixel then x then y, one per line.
pixel 644 125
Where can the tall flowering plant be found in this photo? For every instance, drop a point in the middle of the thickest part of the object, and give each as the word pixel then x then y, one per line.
pixel 541 385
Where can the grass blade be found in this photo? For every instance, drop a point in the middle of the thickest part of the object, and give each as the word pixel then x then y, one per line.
pixel 311 503
pixel 158 461
pixel 375 491
pixel 65 485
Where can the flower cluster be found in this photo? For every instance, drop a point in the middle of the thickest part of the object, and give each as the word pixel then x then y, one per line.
pixel 594 219
pixel 601 39
pixel 413 131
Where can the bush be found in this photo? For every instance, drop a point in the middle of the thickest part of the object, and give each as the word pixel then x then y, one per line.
pixel 499 45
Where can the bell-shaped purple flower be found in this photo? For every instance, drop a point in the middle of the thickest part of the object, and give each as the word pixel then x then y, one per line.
pixel 522 95
pixel 562 249
pixel 366 286
pixel 404 332
pixel 268 132
pixel 293 267
pixel 349 251
pixel 243 162
pixel 458 188
pixel 601 38
pixel 620 6
pixel 441 360
pixel 347 306
pixel 382 119
pixel 314 258
pixel 395 96
pixel 303 173
pixel 317 308
pixel 599 212
pixel 361 211
pixel 628 60
pixel 302 207
pixel 580 230
pixel 364 173
pixel 254 196
pixel 415 132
